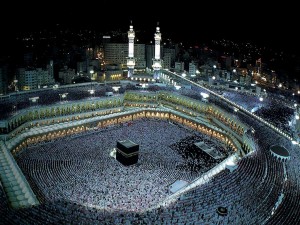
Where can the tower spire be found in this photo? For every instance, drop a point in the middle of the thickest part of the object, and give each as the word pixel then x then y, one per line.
pixel 157 60
pixel 130 58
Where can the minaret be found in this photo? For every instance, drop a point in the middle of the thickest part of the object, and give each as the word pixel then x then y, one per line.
pixel 130 58
pixel 157 61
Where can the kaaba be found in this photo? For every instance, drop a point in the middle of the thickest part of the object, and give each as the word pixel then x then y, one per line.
pixel 127 152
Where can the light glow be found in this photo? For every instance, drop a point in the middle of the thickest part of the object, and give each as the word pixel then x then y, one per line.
pixel 204 95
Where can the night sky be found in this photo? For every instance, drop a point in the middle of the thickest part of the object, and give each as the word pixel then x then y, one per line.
pixel 273 24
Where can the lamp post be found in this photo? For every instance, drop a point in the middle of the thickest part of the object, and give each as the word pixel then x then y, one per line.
pixel 91 72
pixel 34 100
pixel 92 92
pixel 16 85
pixel 62 96
pixel 14 109
pixel 214 69
pixel 116 89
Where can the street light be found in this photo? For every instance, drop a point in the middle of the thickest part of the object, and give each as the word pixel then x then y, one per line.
pixel 34 100
pixel 91 72
pixel 14 107
pixel 92 92
pixel 15 85
pixel 63 96
pixel 116 89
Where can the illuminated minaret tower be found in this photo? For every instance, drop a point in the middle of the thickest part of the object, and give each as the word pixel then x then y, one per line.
pixel 157 61
pixel 130 58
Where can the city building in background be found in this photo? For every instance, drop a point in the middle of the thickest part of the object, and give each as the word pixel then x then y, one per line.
pixel 34 78
pixel 66 75
pixel 3 81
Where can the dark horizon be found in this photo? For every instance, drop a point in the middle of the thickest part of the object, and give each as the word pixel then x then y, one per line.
pixel 250 22
pixel 177 34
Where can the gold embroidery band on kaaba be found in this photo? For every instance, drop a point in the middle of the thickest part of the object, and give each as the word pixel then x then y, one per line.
pixel 127 155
